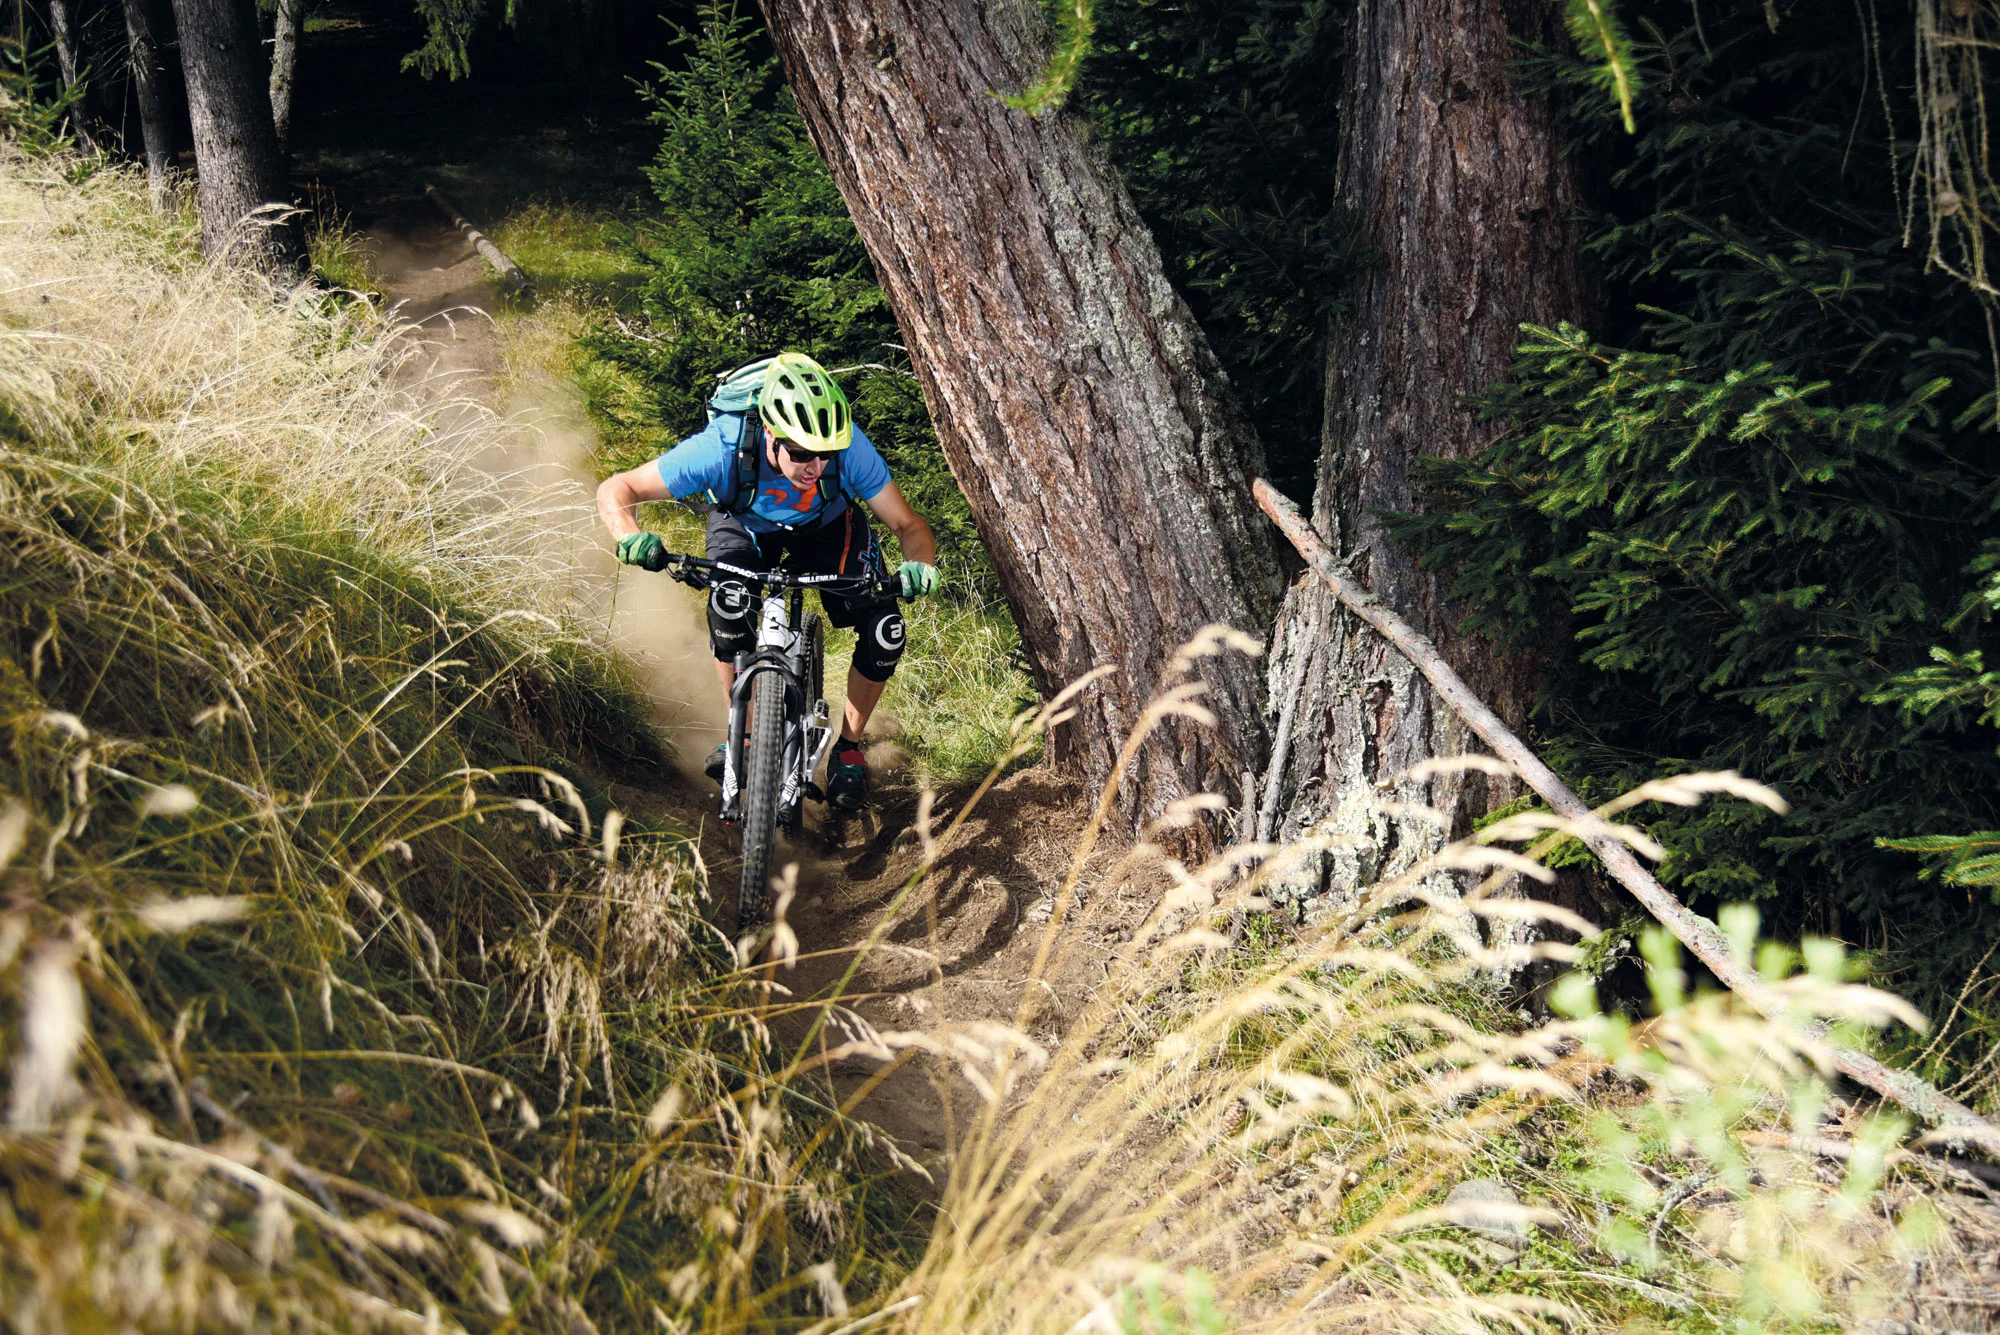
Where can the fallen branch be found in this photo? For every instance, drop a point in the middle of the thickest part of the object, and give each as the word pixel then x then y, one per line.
pixel 1979 1176
pixel 513 278
pixel 1702 937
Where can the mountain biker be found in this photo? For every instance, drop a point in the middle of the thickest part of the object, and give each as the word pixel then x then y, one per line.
pixel 812 462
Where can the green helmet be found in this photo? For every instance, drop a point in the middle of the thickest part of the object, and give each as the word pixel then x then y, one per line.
pixel 800 403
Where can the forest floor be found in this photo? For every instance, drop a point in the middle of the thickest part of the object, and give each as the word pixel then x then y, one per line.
pixel 954 955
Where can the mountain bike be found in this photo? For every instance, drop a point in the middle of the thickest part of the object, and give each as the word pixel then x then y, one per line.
pixel 780 727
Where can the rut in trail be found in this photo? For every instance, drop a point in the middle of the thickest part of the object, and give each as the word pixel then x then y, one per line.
pixel 957 951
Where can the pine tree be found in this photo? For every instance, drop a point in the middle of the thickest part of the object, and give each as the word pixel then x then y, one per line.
pixel 1748 520
pixel 1219 116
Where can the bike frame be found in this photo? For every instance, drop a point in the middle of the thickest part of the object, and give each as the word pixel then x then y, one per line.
pixel 781 649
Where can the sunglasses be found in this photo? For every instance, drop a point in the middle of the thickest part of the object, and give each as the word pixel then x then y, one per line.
pixel 798 454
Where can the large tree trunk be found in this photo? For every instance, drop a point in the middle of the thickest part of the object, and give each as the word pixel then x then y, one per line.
pixel 245 204
pixel 1457 177
pixel 146 31
pixel 1080 406
pixel 289 32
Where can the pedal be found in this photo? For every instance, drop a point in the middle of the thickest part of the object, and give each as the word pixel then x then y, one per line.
pixel 813 791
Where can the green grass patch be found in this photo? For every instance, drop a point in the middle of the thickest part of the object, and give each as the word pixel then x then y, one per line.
pixel 579 252
pixel 339 255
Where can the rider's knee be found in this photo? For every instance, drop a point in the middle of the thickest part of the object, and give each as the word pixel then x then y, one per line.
pixel 878 644
pixel 730 631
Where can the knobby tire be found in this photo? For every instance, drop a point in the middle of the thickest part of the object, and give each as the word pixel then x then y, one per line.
pixel 760 795
pixel 815 637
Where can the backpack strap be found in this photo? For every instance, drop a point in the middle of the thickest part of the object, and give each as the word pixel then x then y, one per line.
pixel 743 475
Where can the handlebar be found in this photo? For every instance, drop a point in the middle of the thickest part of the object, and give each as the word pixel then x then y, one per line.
pixel 684 566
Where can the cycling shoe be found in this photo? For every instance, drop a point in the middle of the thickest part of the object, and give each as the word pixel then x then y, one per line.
pixel 847 784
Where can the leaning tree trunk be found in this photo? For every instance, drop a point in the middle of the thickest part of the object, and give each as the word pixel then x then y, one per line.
pixel 288 34
pixel 240 177
pixel 1457 178
pixel 1080 406
pixel 146 31
pixel 66 30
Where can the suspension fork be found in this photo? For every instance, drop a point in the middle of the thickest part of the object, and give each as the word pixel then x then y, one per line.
pixel 766 658
pixel 749 667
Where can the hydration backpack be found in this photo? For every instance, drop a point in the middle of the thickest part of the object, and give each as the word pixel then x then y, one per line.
pixel 736 396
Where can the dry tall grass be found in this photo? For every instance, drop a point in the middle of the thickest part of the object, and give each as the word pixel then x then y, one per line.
pixel 333 996
pixel 1347 1128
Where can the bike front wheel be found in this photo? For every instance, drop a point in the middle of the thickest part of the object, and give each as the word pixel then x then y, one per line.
pixel 764 759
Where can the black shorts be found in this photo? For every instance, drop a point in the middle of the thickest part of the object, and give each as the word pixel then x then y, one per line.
pixel 844 545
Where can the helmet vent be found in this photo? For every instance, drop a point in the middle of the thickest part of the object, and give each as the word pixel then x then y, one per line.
pixel 805 405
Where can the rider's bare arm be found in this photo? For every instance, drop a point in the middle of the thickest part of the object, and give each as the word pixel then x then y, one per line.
pixel 619 494
pixel 889 506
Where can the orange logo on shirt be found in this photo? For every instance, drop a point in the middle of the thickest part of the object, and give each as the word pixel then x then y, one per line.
pixel 787 499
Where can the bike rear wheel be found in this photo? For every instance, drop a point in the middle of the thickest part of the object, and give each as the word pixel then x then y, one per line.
pixel 764 758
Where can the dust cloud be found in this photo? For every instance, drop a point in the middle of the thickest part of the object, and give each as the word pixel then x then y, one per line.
pixel 544 462
pixel 539 463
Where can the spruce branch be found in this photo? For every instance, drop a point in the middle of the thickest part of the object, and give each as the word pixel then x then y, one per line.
pixel 1602 41
pixel 1074 26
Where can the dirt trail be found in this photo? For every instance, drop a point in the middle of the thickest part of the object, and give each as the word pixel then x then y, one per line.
pixel 956 952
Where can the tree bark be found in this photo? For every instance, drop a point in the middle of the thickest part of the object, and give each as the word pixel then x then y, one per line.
pixel 246 212
pixel 1458 179
pixel 65 29
pixel 146 31
pixel 1080 406
pixel 287 35
pixel 1702 937
pixel 514 279
pixel 289 32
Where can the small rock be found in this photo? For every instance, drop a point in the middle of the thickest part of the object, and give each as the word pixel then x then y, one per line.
pixel 1502 1225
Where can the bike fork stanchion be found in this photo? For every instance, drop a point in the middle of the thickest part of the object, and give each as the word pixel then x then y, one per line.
pixel 732 756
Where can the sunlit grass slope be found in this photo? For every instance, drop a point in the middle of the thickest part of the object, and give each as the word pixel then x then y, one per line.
pixel 333 997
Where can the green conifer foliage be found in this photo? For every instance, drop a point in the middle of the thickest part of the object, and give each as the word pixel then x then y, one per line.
pixel 753 251
pixel 1749 521
pixel 1222 117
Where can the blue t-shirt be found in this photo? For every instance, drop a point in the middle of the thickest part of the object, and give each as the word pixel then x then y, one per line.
pixel 706 462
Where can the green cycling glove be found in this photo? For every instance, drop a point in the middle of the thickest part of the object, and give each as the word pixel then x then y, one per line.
pixel 918 579
pixel 644 550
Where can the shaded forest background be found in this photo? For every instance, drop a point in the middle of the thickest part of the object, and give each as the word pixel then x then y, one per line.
pixel 1745 519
